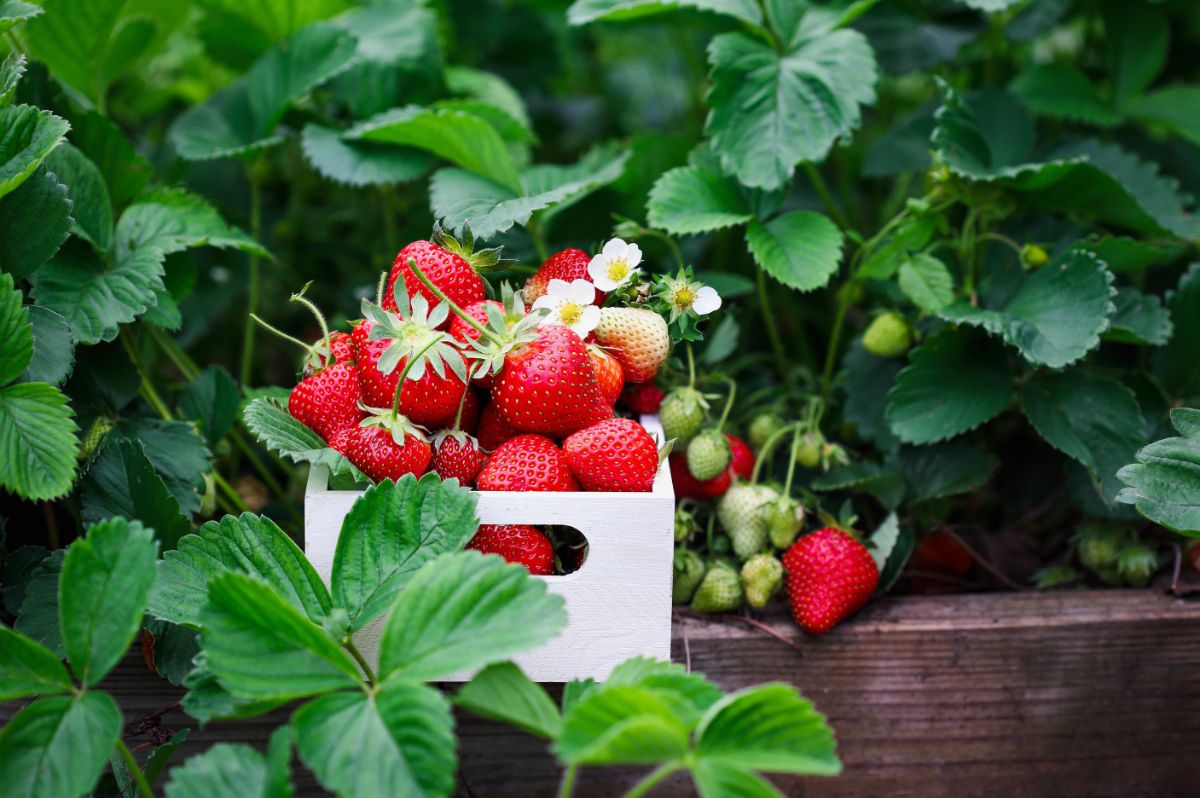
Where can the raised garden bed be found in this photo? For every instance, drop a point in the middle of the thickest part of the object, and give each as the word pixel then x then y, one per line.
pixel 1080 693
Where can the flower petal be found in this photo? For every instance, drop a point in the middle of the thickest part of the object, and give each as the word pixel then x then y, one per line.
pixel 707 300
pixel 615 248
pixel 633 255
pixel 604 283
pixel 559 288
pixel 598 268
pixel 588 321
pixel 582 292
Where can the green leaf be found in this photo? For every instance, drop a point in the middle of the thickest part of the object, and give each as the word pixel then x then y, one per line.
pixel 91 207
pixel 946 469
pixel 39 609
pixel 1177 365
pixel 1092 419
pixel 621 725
pixel 503 692
pixel 866 386
pixel 174 649
pixel 162 754
pixel 1137 38
pixel 1055 315
pixel 459 198
pixel 229 768
pixel 96 299
pixel 120 481
pixel 489 88
pixel 212 399
pixel 53 349
pixel 691 199
pixel 15 331
pixel 771 110
pixel 689 694
pixel 125 171
pixel 399 741
pixel 169 220
pixel 1139 319
pixel 58 746
pixel 583 12
pixel 1164 483
pixel 37 441
pixel 280 433
pixel 12 69
pixel 1175 107
pixel 27 136
pixel 955 381
pixel 260 647
pixel 13 12
pixel 27 668
pixel 207 700
pixel 462 611
pixel 721 781
pixel 106 578
pixel 242 118
pixel 246 544
pixel 456 136
pixel 390 533
pixel 361 163
pixel 800 249
pixel 278 19
pixel 34 222
pixel 883 540
pixel 1062 91
pixel 990 6
pixel 927 282
pixel 770 727
pixel 882 481
pixel 178 454
pixel 1124 254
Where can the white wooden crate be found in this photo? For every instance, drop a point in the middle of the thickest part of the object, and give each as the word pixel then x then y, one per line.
pixel 618 602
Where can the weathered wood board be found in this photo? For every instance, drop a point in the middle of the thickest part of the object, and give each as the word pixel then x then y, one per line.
pixel 1089 693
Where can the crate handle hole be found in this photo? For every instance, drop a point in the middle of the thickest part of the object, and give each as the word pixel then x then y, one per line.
pixel 569 544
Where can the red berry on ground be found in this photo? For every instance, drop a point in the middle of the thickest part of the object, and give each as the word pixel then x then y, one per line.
pixel 516 543
pixel 830 576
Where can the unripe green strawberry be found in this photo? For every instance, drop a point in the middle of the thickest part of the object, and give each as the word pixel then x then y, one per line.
pixel 208 502
pixel 887 336
pixel 1137 563
pixel 708 455
pixel 721 545
pixel 783 518
pixel 95 434
pixel 738 513
pixel 720 591
pixel 832 456
pixel 808 450
pixel 1033 257
pixel 762 575
pixel 682 413
pixel 685 524
pixel 762 428
pixel 1099 547
pixel 688 573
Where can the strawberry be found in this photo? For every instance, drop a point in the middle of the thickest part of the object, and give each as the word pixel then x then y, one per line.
pixel 477 310
pixel 682 413
pixel 763 427
pixel 719 591
pixel 687 573
pixel 830 576
pixel 457 455
pixel 517 543
pixel 493 430
pixel 783 518
pixel 939 553
pixel 469 423
pixel 708 455
pixel 761 575
pixel 548 385
pixel 741 458
pixel 527 463
pixel 887 336
pixel 808 450
pixel 688 487
pixel 613 455
pixel 638 338
pixel 738 512
pixel 327 400
pixel 569 265
pixel 447 265
pixel 1137 563
pixel 334 348
pixel 609 376
pixel 386 447
pixel 642 398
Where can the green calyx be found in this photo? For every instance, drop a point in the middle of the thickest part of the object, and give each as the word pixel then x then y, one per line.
pixel 483 261
pixel 783 518
pixel 685 525
pixel 398 425
pixel 1136 564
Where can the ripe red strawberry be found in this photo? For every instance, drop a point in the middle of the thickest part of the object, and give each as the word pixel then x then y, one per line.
pixel 569 265
pixel 378 454
pixel 430 401
pixel 337 348
pixel 527 463
pixel 469 422
pixel 613 455
pixel 939 553
pixel 742 462
pixel 636 337
pixel 830 576
pixel 493 430
pixel 327 400
pixel 518 543
pixel 642 397
pixel 449 271
pixel 456 455
pixel 688 487
pixel 548 386
pixel 476 310
pixel 609 376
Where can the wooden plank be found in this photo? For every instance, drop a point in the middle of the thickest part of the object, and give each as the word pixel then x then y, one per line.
pixel 1089 693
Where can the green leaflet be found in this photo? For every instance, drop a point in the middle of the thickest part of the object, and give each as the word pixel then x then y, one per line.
pixel 1164 482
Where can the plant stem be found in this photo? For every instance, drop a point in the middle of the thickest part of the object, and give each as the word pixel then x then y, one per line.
pixel 728 405
pixel 768 448
pixel 822 189
pixel 412 360
pixel 253 285
pixel 234 497
pixel 146 388
pixel 462 314
pixel 787 485
pixel 835 338
pixel 567 787
pixel 691 365
pixel 348 644
pixel 139 777
pixel 764 301
pixel 653 779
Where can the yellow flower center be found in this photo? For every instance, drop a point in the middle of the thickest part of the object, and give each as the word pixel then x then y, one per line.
pixel 684 297
pixel 571 312
pixel 618 269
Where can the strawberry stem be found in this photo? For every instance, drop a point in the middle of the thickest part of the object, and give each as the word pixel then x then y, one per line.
pixel 463 400
pixel 728 402
pixel 408 367
pixel 768 449
pixel 308 303
pixel 380 287
pixel 787 485
pixel 276 331
pixel 462 314
pixel 691 366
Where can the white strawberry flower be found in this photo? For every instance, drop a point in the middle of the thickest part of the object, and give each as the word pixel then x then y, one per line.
pixel 569 304
pixel 684 294
pixel 615 265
